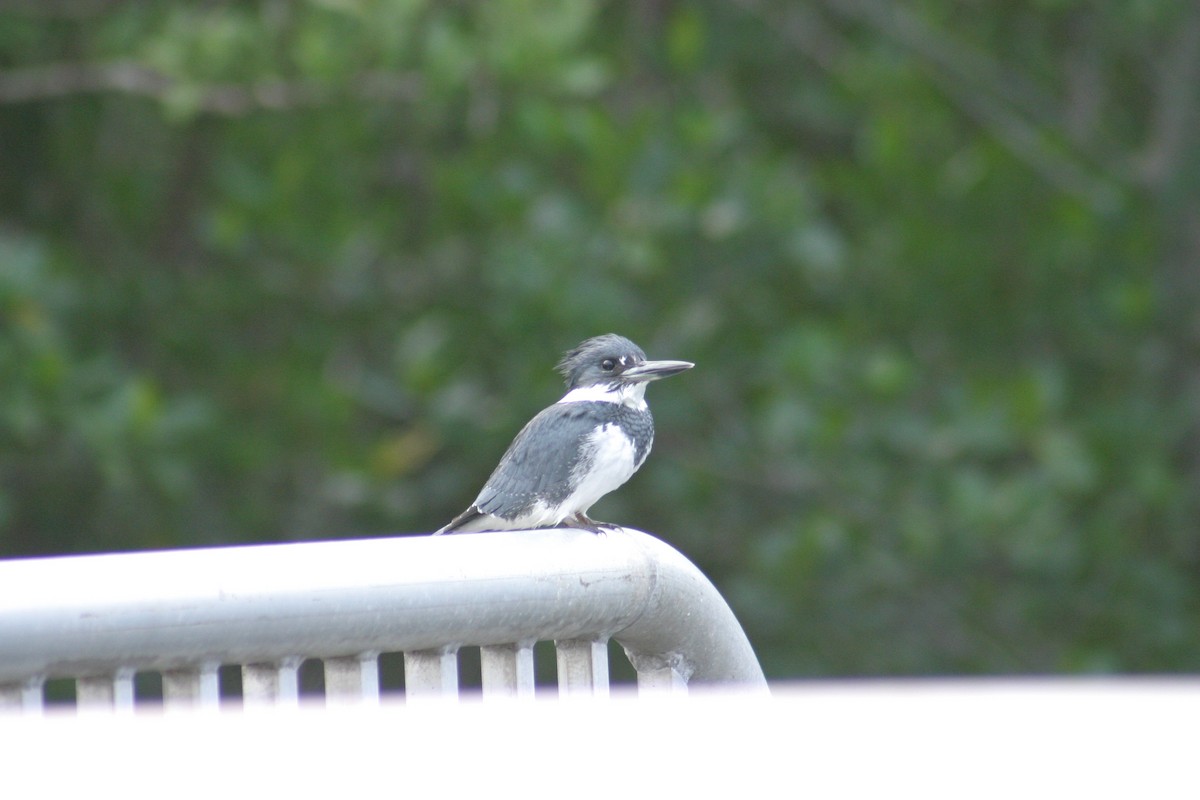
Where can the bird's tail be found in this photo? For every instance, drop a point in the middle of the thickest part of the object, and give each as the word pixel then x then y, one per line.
pixel 461 522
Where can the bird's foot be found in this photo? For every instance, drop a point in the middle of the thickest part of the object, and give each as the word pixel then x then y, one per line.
pixel 580 520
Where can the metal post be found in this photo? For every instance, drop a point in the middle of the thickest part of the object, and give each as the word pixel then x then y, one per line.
pixel 25 696
pixel 431 673
pixel 352 678
pixel 582 667
pixel 274 683
pixel 197 686
pixel 507 670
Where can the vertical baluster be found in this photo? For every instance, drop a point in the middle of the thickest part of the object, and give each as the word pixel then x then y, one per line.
pixel 123 690
pixel 661 680
pixel 95 693
pixel 272 684
pixel 352 678
pixel 106 692
pixel 25 696
pixel 11 696
pixel 33 700
pixel 582 667
pixel 507 670
pixel 431 673
pixel 196 687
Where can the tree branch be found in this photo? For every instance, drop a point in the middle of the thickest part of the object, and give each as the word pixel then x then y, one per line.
pixel 1015 111
pixel 60 9
pixel 1173 119
pixel 35 84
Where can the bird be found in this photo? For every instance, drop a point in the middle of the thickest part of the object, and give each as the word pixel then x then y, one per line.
pixel 579 449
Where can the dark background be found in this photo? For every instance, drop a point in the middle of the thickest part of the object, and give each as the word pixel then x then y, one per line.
pixel 300 270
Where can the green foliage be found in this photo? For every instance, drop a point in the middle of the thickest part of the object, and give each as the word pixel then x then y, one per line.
pixel 301 270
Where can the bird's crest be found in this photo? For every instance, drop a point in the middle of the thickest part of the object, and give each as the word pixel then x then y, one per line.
pixel 576 361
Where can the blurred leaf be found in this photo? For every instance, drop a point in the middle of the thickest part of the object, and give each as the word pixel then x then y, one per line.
pixel 301 270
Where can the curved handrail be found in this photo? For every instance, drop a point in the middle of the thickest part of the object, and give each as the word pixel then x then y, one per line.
pixel 90 615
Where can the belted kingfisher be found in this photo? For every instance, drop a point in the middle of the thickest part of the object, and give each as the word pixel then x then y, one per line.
pixel 577 450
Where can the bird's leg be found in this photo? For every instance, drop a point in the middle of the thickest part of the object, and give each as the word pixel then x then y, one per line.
pixel 581 520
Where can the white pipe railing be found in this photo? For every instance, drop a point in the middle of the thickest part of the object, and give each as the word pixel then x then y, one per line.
pixel 101 619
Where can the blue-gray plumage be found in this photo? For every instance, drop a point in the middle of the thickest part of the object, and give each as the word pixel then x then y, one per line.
pixel 577 450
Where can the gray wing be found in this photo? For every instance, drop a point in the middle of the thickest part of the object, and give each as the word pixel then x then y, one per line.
pixel 538 463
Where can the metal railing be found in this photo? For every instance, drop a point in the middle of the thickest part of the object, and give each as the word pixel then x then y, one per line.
pixel 186 614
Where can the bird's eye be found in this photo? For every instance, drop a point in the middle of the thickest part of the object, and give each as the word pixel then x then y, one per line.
pixel 608 365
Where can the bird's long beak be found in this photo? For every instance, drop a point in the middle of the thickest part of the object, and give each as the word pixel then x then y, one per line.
pixel 653 370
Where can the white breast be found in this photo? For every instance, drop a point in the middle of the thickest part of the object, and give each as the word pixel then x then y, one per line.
pixel 608 463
